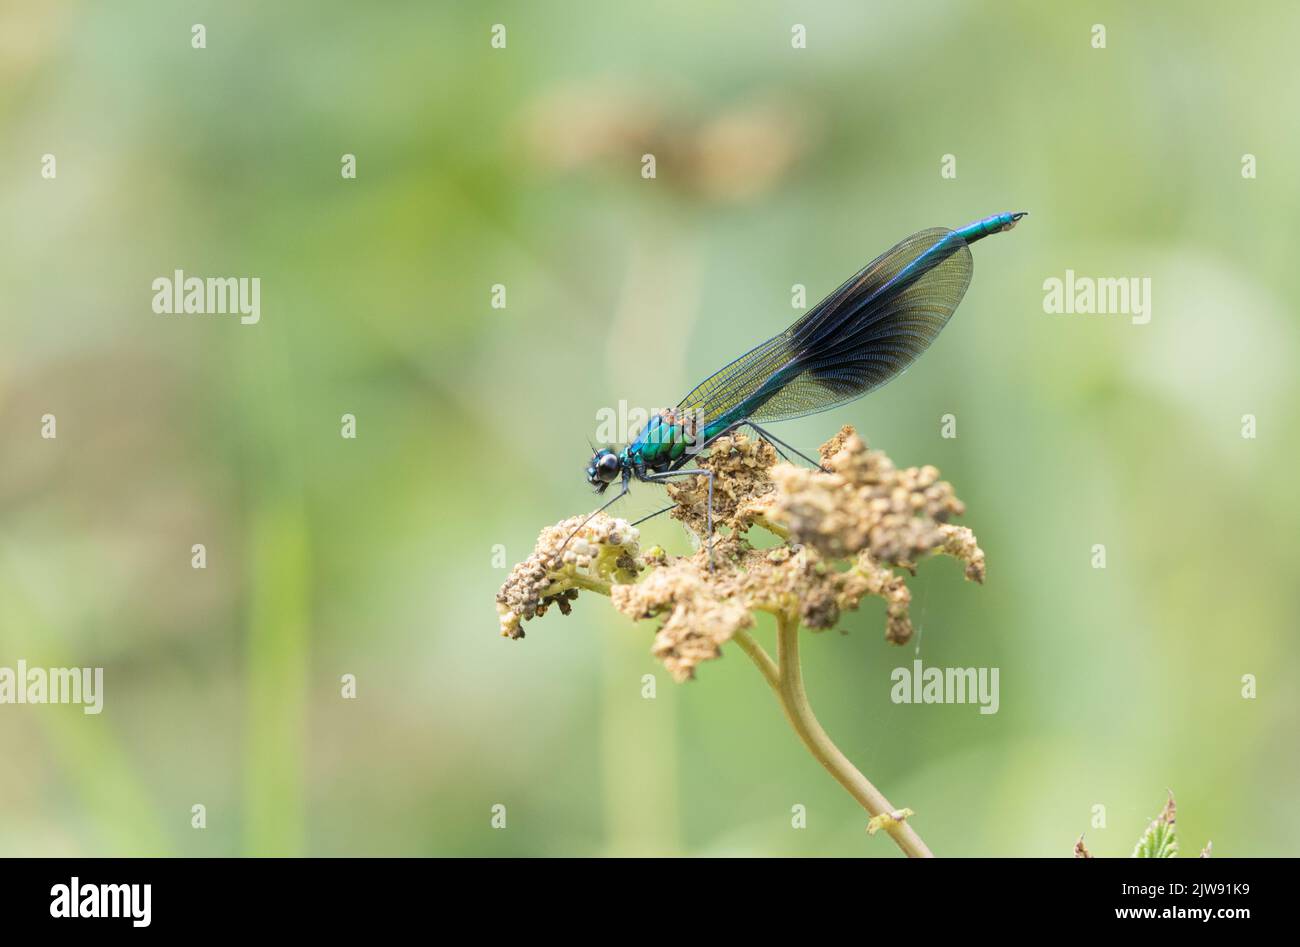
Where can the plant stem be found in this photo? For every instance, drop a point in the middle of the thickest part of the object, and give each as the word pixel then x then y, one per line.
pixel 578 580
pixel 787 682
pixel 765 664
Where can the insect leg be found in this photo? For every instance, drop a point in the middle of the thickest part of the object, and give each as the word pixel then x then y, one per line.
pixel 652 515
pixel 769 436
pixel 764 434
pixel 622 493
pixel 708 474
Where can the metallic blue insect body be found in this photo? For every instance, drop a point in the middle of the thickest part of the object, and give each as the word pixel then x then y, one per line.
pixel 855 340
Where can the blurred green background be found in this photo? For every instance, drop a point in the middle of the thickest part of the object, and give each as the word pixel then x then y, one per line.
pixel 380 556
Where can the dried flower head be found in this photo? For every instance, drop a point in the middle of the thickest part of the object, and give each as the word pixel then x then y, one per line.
pixel 844 529
pixel 604 550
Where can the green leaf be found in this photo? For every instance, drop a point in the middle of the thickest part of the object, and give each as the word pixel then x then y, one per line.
pixel 1160 840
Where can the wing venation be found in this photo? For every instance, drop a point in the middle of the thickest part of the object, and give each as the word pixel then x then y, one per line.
pixel 856 339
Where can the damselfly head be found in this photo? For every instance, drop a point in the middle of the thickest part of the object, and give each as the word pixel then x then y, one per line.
pixel 603 469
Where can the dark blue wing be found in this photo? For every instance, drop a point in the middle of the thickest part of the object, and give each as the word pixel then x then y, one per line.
pixel 856 339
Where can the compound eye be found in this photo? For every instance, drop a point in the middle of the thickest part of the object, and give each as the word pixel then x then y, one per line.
pixel 609 467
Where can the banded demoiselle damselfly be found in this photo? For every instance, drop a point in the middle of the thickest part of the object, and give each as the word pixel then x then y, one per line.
pixel 858 338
